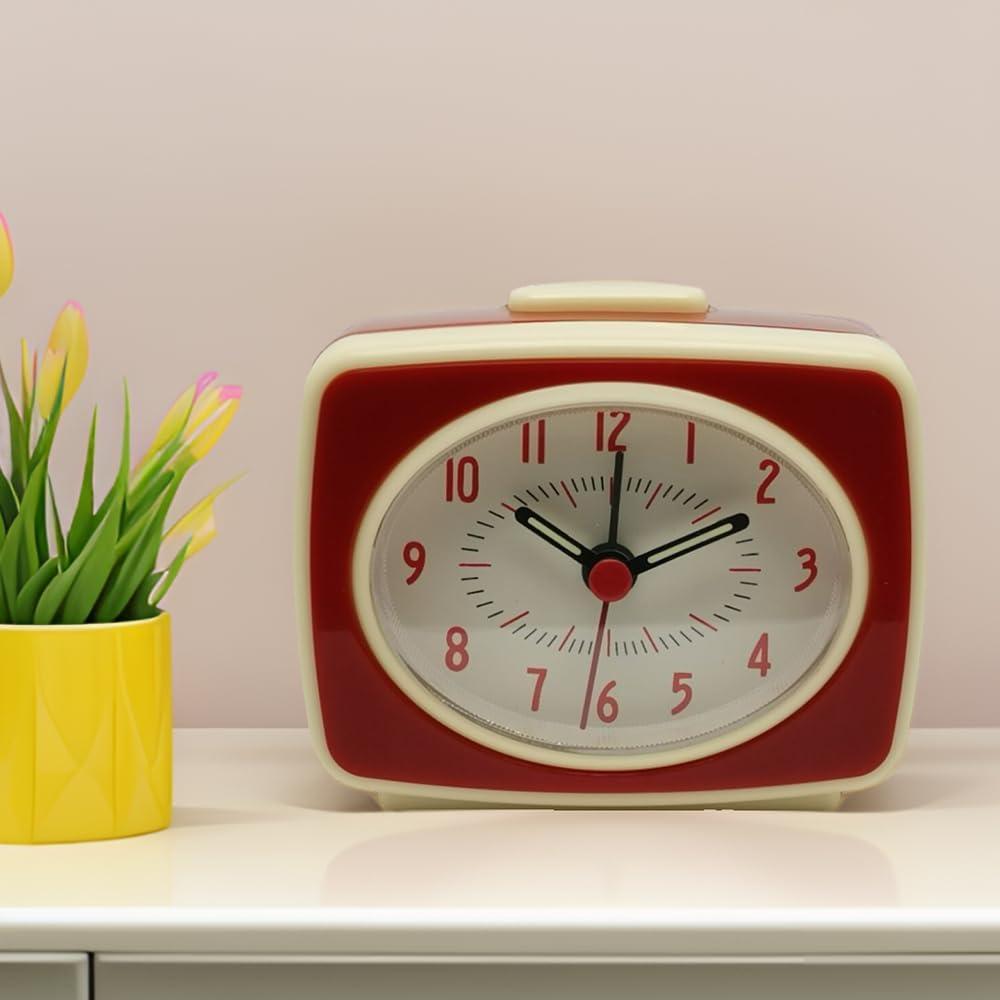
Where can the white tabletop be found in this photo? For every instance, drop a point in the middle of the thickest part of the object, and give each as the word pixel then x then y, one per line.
pixel 267 852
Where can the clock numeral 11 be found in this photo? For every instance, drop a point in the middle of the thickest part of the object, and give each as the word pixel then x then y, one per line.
pixel 538 426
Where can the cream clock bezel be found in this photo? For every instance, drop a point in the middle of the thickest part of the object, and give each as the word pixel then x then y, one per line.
pixel 695 404
pixel 603 338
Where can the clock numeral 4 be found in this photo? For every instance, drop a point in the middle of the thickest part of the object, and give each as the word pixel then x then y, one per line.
pixel 808 557
pixel 770 468
pixel 456 656
pixel 415 556
pixel 461 479
pixel 538 426
pixel 539 673
pixel 607 705
pixel 760 658
pixel 682 688
pixel 609 427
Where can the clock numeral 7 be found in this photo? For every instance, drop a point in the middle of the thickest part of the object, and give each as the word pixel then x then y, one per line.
pixel 608 430
pixel 461 479
pixel 539 673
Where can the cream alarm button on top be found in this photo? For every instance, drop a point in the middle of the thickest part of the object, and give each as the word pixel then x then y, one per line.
pixel 608 296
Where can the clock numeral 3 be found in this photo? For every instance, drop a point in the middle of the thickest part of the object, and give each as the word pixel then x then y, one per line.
pixel 461 479
pixel 808 557
pixel 456 655
pixel 608 430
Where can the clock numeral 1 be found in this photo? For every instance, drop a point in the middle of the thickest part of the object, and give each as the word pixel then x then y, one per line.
pixel 760 658
pixel 456 656
pixel 690 442
pixel 770 468
pixel 607 706
pixel 539 435
pixel 539 673
pixel 461 479
pixel 608 430
pixel 684 690
pixel 808 557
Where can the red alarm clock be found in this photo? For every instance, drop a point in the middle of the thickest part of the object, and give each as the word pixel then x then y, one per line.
pixel 609 546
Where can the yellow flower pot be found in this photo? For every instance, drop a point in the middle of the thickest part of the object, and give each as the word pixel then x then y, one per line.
pixel 85 731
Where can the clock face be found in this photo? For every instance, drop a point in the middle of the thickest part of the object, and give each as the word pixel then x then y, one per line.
pixel 611 575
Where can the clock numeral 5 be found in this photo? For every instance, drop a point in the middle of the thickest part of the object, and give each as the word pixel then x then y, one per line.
pixel 539 673
pixel 539 449
pixel 808 557
pixel 609 429
pixel 415 556
pixel 760 658
pixel 461 479
pixel 684 690
pixel 456 656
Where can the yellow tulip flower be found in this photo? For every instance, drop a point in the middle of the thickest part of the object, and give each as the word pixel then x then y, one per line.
pixel 201 442
pixel 6 257
pixel 69 346
pixel 198 523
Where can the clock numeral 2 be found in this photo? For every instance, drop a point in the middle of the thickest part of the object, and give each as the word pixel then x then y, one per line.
pixel 607 438
pixel 539 673
pixel 770 468
pixel 461 479
pixel 539 426
pixel 456 656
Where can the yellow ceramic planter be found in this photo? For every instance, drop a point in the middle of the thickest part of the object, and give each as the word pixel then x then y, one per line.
pixel 85 731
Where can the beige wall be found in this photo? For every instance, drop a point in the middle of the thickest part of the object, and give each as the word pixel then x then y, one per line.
pixel 228 183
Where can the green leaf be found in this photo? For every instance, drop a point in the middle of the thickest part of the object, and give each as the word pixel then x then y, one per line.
pixel 121 479
pixel 170 575
pixel 138 563
pixel 57 526
pixel 24 609
pixel 18 439
pixel 83 517
pixel 40 456
pixel 9 562
pixel 137 518
pixel 141 607
pixel 34 498
pixel 8 503
pixel 55 594
pixel 4 613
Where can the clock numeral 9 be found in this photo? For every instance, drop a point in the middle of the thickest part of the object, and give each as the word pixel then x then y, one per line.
pixel 684 690
pixel 539 673
pixel 526 449
pixel 415 556
pixel 760 658
pixel 461 479
pixel 607 438
pixel 456 656
pixel 770 468
pixel 607 706
pixel 808 557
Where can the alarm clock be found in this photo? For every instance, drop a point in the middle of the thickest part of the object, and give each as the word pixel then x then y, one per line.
pixel 609 546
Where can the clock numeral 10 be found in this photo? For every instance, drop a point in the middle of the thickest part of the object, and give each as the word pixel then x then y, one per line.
pixel 609 427
pixel 770 468
pixel 539 436
pixel 539 673
pixel 760 658
pixel 456 656
pixel 461 479
pixel 684 690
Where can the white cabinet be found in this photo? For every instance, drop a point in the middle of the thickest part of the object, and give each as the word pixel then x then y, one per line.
pixel 41 976
pixel 153 977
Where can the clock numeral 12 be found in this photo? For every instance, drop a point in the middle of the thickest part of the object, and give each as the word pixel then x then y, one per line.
pixel 461 479
pixel 607 439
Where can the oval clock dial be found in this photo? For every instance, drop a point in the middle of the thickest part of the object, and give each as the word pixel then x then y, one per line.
pixel 613 580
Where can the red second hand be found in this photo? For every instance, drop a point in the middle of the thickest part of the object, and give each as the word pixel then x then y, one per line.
pixel 594 660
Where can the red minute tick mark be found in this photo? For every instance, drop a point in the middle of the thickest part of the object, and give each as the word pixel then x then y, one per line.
pixel 708 513
pixel 510 621
pixel 703 622
pixel 569 496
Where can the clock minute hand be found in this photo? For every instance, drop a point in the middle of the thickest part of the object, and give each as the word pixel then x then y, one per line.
pixel 555 536
pixel 691 542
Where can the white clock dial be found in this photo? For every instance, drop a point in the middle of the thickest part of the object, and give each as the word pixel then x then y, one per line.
pixel 612 576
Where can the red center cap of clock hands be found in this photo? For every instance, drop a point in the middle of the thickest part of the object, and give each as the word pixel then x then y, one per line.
pixel 610 579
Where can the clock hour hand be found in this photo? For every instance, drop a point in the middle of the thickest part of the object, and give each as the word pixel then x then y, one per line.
pixel 690 542
pixel 555 536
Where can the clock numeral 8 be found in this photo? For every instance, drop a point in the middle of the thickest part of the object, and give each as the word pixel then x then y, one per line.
pixel 461 479
pixel 456 655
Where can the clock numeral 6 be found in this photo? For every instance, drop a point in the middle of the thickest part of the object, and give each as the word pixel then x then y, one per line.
pixel 770 468
pixel 456 655
pixel 808 557
pixel 461 479
pixel 684 690
pixel 415 556
pixel 760 658
pixel 526 449
pixel 539 673
pixel 607 706
pixel 608 430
